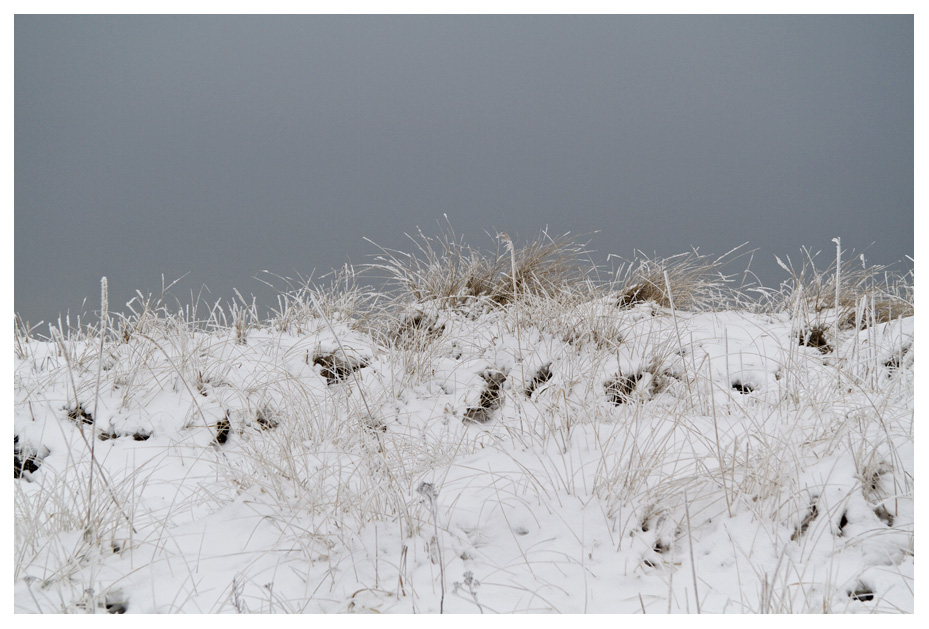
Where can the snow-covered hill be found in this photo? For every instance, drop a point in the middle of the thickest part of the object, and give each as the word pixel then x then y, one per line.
pixel 548 454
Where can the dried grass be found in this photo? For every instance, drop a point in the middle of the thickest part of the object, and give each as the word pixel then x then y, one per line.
pixel 868 295
pixel 697 282
pixel 454 274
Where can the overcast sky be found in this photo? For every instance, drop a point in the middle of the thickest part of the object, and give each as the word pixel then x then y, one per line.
pixel 221 146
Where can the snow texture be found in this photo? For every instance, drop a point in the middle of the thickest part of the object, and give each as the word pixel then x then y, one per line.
pixel 593 459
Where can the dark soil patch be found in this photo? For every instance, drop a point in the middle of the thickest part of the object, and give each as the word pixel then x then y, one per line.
pixel 24 460
pixel 223 428
pixel 619 389
pixel 898 360
pixel 491 398
pixel 477 415
pixel 79 414
pixel 116 605
pixel 336 369
pixel 492 395
pixel 816 337
pixel 843 522
pixel 540 377
pixel 884 515
pixel 861 593
pixel 141 435
pixel 265 418
pixel 805 523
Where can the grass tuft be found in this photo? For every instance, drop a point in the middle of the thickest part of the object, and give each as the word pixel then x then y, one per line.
pixel 453 274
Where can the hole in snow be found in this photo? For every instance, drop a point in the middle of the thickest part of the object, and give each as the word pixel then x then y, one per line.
pixel 861 593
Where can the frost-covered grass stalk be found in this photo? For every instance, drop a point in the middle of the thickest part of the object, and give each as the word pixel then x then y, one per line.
pixel 838 288
pixel 669 439
pixel 104 306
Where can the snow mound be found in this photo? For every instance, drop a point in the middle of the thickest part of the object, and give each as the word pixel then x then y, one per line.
pixel 597 458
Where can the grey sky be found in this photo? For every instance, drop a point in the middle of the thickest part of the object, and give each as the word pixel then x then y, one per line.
pixel 150 145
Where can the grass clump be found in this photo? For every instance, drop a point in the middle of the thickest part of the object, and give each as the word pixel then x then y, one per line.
pixel 448 271
pixel 416 330
pixel 867 295
pixel 696 281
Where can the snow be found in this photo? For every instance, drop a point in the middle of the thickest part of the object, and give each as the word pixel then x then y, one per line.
pixel 684 494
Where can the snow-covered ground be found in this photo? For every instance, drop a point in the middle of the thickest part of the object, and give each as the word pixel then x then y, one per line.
pixel 542 457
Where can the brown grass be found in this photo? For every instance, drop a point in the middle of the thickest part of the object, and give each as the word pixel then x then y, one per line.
pixel 812 292
pixel 449 271
pixel 696 281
